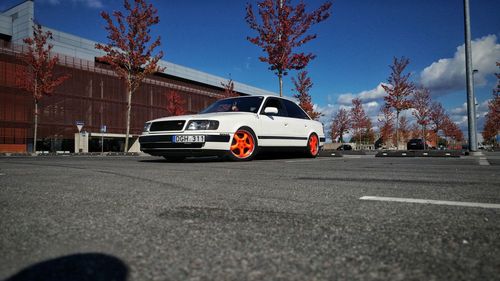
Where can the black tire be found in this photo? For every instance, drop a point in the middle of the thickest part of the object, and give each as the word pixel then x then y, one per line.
pixel 247 139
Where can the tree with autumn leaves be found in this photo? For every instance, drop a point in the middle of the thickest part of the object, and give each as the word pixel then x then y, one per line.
pixel 341 125
pixel 282 29
pixel 175 103
pixel 420 101
pixel 492 122
pixel 360 123
pixel 451 131
pixel 303 85
pixel 437 117
pixel 38 77
pixel 386 124
pixel 130 50
pixel 399 89
pixel 229 91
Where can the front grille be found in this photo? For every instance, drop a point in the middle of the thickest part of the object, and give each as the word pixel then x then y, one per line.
pixel 149 139
pixel 175 125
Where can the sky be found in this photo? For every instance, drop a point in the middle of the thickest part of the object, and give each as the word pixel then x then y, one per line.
pixel 354 47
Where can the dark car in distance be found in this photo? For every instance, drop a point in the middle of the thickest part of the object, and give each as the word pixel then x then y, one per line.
pixel 416 144
pixel 345 147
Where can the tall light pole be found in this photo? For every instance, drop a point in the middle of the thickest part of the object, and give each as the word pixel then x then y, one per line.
pixel 471 108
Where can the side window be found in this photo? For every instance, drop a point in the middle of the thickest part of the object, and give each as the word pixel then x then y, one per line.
pixel 272 102
pixel 294 110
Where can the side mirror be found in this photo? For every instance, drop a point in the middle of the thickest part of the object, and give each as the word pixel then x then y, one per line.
pixel 271 110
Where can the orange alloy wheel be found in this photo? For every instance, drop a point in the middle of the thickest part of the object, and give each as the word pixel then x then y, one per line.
pixel 243 144
pixel 313 145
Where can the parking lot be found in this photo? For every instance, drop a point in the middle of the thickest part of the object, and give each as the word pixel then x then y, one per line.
pixel 143 218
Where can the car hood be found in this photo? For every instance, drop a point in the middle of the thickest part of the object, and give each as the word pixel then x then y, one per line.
pixel 210 116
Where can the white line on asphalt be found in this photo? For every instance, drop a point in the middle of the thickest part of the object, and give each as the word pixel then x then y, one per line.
pixel 311 160
pixel 483 161
pixel 435 202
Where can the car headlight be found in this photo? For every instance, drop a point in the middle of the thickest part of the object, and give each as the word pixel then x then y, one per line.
pixel 147 126
pixel 203 125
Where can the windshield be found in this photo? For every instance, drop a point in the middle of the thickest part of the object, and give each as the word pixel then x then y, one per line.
pixel 243 104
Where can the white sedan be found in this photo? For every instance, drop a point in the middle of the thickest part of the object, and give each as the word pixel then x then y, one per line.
pixel 237 127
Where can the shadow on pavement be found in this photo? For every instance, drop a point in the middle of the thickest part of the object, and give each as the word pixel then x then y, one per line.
pixel 186 160
pixel 78 267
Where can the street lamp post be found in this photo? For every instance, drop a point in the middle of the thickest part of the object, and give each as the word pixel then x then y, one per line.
pixel 471 108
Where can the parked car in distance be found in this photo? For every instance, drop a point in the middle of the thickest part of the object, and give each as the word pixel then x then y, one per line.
pixel 345 147
pixel 416 144
pixel 237 128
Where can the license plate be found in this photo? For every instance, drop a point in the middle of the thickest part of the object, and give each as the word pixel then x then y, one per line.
pixel 188 139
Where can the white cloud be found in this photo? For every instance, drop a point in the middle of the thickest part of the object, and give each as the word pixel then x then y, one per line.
pixel 345 99
pixel 448 74
pixel 459 110
pixel 366 96
pixel 371 101
pixel 459 116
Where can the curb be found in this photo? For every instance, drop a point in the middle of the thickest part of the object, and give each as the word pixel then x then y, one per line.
pixel 421 153
pixel 330 153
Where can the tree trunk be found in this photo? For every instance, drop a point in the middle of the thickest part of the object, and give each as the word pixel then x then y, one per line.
pixel 423 135
pixel 397 130
pixel 36 126
pixel 280 78
pixel 129 106
pixel 437 137
pixel 359 140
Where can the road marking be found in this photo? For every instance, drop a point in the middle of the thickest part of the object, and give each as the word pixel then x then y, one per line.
pixel 311 160
pixel 483 161
pixel 435 202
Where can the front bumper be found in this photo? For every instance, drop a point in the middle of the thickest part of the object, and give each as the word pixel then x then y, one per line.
pixel 161 145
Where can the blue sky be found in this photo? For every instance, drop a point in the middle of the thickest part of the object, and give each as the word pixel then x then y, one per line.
pixel 354 46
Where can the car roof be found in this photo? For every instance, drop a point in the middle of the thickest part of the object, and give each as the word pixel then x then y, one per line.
pixel 264 96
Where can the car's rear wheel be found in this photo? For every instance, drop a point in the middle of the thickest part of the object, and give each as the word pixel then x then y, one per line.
pixel 312 149
pixel 244 145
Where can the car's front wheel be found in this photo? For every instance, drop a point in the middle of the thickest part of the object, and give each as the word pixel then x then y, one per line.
pixel 244 145
pixel 312 149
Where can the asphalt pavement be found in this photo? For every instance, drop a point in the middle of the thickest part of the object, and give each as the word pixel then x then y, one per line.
pixel 143 218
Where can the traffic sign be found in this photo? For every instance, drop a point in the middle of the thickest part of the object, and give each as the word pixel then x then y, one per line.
pixel 79 125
